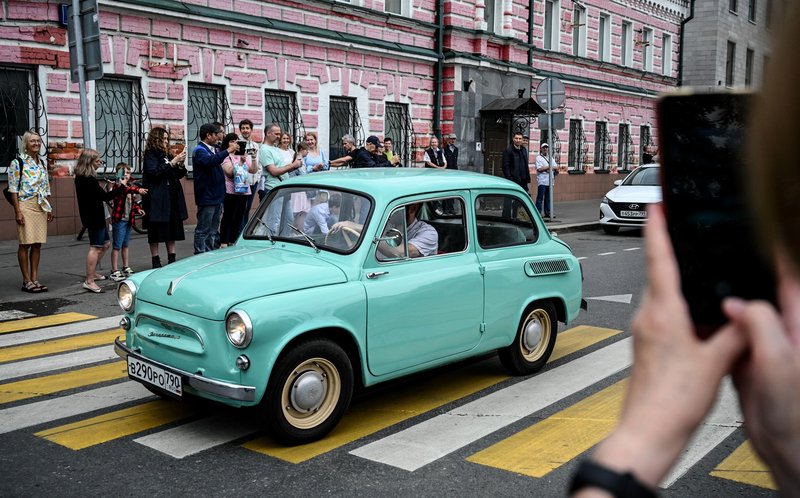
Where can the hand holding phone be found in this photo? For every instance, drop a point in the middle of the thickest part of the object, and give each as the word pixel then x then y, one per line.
pixel 713 234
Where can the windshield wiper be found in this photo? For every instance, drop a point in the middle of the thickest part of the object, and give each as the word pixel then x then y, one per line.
pixel 269 230
pixel 305 236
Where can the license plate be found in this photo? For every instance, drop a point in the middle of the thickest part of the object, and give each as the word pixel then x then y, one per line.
pixel 155 376
pixel 633 214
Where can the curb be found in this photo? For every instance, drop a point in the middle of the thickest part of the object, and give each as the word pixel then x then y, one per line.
pixel 573 227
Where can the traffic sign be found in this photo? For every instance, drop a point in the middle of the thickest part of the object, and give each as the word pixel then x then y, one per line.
pixel 556 90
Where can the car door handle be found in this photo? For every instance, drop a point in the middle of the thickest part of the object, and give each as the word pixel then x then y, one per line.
pixel 376 274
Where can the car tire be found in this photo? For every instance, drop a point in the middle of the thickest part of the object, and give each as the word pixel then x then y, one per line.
pixel 610 229
pixel 534 342
pixel 323 371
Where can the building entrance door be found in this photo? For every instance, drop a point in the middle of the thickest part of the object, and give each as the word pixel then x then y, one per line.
pixel 496 141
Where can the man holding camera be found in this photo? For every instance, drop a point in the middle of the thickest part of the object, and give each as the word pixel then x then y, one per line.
pixel 209 186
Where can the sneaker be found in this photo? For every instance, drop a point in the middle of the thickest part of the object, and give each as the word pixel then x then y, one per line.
pixel 127 271
pixel 117 276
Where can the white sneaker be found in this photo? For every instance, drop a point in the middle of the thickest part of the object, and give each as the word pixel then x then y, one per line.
pixel 117 276
pixel 127 271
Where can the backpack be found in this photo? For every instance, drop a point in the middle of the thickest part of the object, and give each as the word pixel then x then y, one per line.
pixel 6 192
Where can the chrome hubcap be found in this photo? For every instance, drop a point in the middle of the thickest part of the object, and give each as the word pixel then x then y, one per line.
pixel 308 391
pixel 533 334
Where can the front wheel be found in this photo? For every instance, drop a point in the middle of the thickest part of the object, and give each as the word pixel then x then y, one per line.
pixel 309 391
pixel 534 341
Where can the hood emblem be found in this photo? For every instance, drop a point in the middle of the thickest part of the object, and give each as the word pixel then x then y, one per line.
pixel 633 206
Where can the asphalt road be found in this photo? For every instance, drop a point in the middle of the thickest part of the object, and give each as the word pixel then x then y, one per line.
pixel 465 430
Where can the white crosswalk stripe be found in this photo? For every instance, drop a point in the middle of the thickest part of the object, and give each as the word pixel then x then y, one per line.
pixel 40 412
pixel 58 331
pixel 23 368
pixel 194 437
pixel 434 438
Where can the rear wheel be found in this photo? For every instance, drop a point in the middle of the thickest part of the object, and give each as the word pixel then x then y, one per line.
pixel 309 391
pixel 534 341
pixel 610 229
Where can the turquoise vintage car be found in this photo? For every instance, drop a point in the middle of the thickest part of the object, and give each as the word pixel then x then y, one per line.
pixel 345 279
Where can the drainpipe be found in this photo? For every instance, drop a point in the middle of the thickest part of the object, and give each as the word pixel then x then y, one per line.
pixel 680 51
pixel 437 83
pixel 530 34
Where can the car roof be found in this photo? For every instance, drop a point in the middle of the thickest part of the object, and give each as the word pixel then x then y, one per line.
pixel 401 182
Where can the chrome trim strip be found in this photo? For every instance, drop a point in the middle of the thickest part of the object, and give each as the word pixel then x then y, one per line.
pixel 168 325
pixel 222 389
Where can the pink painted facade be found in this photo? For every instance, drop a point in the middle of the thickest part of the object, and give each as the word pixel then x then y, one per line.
pixel 320 51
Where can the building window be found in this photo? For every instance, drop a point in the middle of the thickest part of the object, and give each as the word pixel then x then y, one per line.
pixel 666 54
pixel 398 127
pixel 579 31
pixel 552 21
pixel 120 115
pixel 206 104
pixel 748 67
pixel 604 38
pixel 21 110
pixel 647 49
pixel 393 6
pixel 281 108
pixel 751 10
pixel 626 54
pixel 733 5
pixel 490 15
pixel 645 142
pixel 730 62
pixel 625 148
pixel 344 120
pixel 577 145
pixel 602 146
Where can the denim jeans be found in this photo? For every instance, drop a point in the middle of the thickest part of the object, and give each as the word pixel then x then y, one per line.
pixel 206 233
pixel 121 231
pixel 543 199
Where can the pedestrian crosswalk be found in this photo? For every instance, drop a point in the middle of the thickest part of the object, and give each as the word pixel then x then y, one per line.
pixel 61 381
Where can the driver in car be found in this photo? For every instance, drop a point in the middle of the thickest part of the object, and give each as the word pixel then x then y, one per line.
pixel 423 239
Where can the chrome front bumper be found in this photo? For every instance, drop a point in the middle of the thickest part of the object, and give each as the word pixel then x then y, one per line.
pixel 199 383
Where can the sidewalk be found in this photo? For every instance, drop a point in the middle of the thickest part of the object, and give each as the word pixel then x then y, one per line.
pixel 63 258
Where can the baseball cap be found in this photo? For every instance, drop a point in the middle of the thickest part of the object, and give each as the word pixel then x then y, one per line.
pixel 372 139
pixel 544 144
pixel 452 135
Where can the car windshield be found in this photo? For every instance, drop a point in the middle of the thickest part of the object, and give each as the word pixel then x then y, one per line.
pixel 320 218
pixel 644 176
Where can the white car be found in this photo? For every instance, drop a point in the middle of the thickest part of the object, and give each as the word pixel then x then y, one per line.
pixel 626 204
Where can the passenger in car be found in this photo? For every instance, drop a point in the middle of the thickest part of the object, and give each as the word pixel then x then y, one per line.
pixel 321 215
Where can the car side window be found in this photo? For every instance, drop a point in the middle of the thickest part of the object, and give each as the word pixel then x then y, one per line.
pixel 427 228
pixel 503 220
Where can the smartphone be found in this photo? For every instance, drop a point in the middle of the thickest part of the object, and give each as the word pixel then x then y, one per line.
pixel 242 147
pixel 704 167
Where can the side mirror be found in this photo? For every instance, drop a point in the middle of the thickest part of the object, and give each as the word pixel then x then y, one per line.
pixel 617 183
pixel 393 238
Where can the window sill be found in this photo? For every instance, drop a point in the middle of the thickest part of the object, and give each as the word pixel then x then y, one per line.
pixel 601 172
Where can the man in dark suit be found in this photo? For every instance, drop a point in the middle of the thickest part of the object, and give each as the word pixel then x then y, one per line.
pixel 515 168
pixel 451 152
pixel 209 186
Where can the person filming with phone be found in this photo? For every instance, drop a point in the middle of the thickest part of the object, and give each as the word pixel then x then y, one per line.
pixel 676 374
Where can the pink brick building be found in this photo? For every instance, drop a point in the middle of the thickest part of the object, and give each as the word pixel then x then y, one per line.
pixel 401 68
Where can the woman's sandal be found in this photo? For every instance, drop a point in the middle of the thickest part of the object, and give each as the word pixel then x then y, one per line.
pixel 96 289
pixel 31 287
pixel 42 288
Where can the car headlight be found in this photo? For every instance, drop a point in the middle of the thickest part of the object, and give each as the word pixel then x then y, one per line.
pixel 605 200
pixel 239 328
pixel 126 295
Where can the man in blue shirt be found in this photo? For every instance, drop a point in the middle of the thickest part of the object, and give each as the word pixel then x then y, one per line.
pixel 209 186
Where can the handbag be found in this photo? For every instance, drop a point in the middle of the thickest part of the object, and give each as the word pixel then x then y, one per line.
pixel 6 192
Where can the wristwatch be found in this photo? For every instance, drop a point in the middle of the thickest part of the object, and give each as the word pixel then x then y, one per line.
pixel 594 475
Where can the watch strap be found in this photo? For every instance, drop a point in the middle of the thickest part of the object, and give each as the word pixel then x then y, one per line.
pixel 621 485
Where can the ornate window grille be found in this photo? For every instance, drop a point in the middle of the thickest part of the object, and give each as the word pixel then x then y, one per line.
pixel 207 104
pixel 120 120
pixel 645 141
pixel 21 109
pixel 556 152
pixel 281 108
pixel 627 155
pixel 344 120
pixel 602 146
pixel 578 148
pixel 398 128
